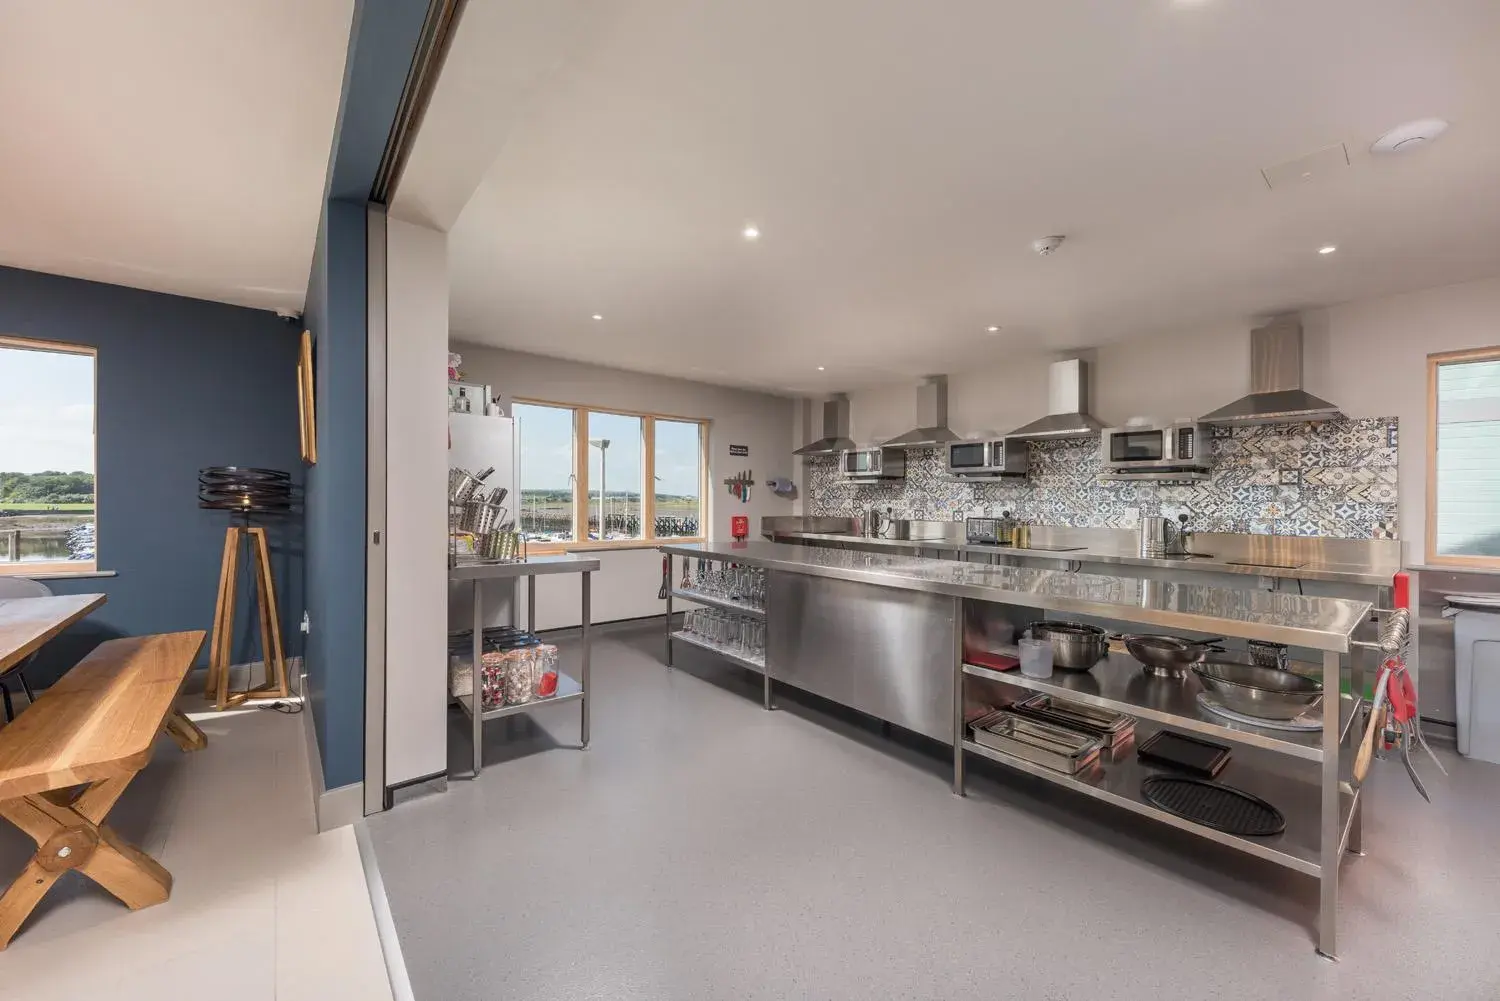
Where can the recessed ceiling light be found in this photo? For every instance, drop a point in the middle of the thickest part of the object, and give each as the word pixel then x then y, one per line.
pixel 751 231
pixel 992 330
pixel 598 317
pixel 1406 137
pixel 820 368
pixel 1327 248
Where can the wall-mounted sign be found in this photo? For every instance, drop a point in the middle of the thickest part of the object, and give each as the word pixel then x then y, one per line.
pixel 739 450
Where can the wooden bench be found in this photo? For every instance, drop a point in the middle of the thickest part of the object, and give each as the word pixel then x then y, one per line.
pixel 65 761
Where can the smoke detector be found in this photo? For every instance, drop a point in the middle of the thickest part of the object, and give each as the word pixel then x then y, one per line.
pixel 1047 245
pixel 1407 137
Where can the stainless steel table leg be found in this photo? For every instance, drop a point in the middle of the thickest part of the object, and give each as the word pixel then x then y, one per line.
pixel 669 610
pixel 1356 827
pixel 1328 896
pixel 766 688
pixel 583 727
pixel 531 603
pixel 476 693
pixel 958 697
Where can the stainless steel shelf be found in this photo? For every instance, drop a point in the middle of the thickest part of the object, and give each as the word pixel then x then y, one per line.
pixel 744 608
pixel 1120 684
pixel 1119 782
pixel 568 689
pixel 754 664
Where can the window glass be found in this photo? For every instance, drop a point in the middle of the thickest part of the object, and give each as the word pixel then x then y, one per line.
pixel 46 456
pixel 1468 459
pixel 615 473
pixel 547 478
pixel 679 479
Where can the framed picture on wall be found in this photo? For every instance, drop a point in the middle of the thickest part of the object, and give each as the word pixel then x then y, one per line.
pixel 306 402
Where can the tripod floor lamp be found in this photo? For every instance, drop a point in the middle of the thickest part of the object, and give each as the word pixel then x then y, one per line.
pixel 245 493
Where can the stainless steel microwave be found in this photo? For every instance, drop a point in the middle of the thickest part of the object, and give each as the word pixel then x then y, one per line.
pixel 988 457
pixel 1152 448
pixel 873 464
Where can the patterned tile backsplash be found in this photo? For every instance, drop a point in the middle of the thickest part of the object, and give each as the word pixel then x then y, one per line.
pixel 1336 479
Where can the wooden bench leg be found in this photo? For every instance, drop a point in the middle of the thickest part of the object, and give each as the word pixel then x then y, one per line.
pixel 185 732
pixel 70 834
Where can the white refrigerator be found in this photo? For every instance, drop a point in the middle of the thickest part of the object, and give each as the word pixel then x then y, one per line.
pixel 477 442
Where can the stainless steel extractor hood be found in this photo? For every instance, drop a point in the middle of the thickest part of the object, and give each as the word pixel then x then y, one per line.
pixel 932 417
pixel 835 429
pixel 1067 405
pixel 1276 393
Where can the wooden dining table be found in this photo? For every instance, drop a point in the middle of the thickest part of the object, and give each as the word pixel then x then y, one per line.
pixel 27 623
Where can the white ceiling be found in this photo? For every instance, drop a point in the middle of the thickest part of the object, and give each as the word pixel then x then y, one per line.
pixel 173 145
pixel 900 157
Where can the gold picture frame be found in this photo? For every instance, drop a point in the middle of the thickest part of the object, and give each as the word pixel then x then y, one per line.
pixel 306 401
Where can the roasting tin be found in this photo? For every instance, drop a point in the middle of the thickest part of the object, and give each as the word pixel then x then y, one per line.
pixel 1110 727
pixel 1040 743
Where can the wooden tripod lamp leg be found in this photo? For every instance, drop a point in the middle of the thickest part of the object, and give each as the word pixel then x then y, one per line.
pixel 277 684
pixel 226 640
pixel 221 641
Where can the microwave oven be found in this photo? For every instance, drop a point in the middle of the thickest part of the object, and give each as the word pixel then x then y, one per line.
pixel 988 457
pixel 873 464
pixel 1155 448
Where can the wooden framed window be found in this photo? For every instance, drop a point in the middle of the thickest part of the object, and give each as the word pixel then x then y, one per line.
pixel 604 478
pixel 1463 458
pixel 47 457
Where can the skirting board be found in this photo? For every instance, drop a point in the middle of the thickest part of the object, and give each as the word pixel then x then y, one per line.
pixel 332 807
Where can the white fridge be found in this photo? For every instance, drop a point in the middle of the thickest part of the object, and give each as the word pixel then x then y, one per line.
pixel 477 442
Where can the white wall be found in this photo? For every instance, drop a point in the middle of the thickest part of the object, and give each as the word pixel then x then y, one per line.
pixel 1370 357
pixel 416 517
pixel 628 580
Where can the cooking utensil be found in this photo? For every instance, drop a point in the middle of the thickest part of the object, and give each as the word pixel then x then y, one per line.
pixel 1168 656
pixel 1308 722
pixel 1260 691
pixel 1075 646
pixel 1052 747
pixel 1224 808
pixel 1268 654
pixel 1375 726
pixel 1109 727
pixel 1190 754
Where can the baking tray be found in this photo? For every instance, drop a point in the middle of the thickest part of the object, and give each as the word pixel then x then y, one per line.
pixel 1193 755
pixel 1110 727
pixel 1051 747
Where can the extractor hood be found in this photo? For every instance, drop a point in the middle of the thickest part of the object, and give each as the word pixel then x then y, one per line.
pixel 1067 404
pixel 1276 393
pixel 932 417
pixel 835 430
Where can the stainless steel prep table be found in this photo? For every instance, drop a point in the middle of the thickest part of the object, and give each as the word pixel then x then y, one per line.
pixel 883 634
pixel 567 688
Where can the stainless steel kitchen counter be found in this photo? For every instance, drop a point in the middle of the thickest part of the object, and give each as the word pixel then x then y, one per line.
pixel 1314 622
pixel 1339 573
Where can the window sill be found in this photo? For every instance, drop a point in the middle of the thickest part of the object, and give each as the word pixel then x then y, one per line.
pixel 51 572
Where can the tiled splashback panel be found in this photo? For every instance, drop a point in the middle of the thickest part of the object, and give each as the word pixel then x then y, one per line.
pixel 1336 479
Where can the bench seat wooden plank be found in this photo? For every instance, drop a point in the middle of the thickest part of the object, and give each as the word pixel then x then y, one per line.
pixel 100 719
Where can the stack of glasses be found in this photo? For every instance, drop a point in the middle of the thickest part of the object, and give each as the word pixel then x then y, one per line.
pixel 741 635
pixel 731 582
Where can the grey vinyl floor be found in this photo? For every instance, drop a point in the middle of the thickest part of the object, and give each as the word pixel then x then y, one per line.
pixel 703 848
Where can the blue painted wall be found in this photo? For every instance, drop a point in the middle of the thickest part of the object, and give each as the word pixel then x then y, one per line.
pixel 336 494
pixel 382 40
pixel 181 384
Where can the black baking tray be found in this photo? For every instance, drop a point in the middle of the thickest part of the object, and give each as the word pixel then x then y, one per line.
pixel 1193 755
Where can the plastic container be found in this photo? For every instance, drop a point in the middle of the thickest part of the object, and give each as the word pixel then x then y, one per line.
pixel 1036 657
